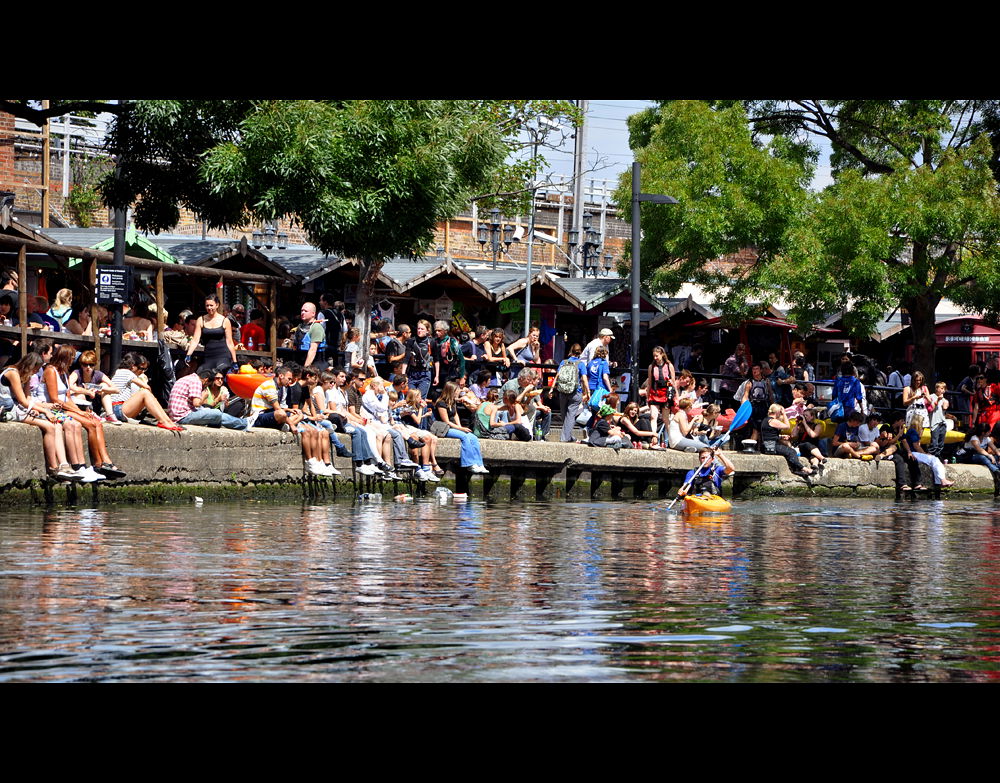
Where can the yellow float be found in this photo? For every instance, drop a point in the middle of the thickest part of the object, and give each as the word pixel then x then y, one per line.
pixel 827 428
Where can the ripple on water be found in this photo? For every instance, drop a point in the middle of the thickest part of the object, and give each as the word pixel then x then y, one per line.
pixel 539 592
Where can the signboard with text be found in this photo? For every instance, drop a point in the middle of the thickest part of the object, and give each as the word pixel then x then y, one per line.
pixel 114 284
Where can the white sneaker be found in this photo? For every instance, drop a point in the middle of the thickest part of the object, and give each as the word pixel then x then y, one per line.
pixel 89 475
pixel 479 469
pixel 107 418
pixel 330 470
pixel 407 463
pixel 367 470
pixel 421 475
pixel 430 475
pixel 314 466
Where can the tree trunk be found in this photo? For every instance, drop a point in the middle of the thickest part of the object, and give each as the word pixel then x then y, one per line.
pixel 370 267
pixel 921 310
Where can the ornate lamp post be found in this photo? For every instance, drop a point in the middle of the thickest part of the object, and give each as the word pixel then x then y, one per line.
pixel 267 237
pixel 490 232
pixel 590 248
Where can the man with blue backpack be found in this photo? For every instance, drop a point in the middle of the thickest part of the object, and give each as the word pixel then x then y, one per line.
pixel 848 394
pixel 569 386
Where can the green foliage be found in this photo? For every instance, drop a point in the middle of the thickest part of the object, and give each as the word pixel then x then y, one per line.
pixel 85 196
pixel 732 193
pixel 913 214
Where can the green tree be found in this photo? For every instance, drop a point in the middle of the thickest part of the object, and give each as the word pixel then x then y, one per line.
pixel 912 216
pixel 366 179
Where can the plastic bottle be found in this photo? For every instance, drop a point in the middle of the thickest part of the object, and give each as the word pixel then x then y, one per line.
pixel 403 498
pixel 250 343
pixel 370 496
pixel 443 493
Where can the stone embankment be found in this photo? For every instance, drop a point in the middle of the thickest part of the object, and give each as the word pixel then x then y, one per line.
pixel 223 463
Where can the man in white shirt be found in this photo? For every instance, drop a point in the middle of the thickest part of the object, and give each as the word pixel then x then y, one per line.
pixel 604 337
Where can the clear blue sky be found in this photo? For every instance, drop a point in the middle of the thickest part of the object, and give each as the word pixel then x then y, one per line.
pixel 607 143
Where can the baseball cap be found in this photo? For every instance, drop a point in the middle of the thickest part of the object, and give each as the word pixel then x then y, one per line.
pixel 606 333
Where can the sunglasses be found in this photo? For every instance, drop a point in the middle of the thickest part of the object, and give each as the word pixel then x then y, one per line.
pixel 87 364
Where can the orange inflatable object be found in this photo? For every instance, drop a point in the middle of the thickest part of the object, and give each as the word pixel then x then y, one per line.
pixel 245 384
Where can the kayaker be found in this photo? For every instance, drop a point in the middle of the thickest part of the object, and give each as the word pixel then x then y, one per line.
pixel 707 478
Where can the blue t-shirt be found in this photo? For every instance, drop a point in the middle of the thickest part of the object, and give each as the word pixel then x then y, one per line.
pixel 596 370
pixel 848 434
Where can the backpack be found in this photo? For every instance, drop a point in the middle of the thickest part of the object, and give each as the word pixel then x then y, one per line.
pixel 566 378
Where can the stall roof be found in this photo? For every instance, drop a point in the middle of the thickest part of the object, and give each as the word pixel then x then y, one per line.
pixel 137 244
pixel 587 293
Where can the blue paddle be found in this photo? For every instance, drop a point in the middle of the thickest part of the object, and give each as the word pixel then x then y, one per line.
pixel 741 417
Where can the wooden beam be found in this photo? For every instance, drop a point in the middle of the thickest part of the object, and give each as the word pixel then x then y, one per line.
pixel 22 297
pixel 273 307
pixel 160 312
pixel 104 257
pixel 94 325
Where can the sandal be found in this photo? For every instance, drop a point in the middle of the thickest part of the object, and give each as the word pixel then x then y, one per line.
pixel 920 488
pixel 171 427
pixel 111 471
pixel 906 488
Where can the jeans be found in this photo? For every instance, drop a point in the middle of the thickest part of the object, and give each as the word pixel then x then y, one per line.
pixel 359 444
pixel 420 380
pixel 570 405
pixel 213 417
pixel 937 439
pixel 471 453
pixel 979 459
pixel 327 425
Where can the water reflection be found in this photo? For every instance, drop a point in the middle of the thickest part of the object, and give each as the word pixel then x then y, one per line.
pixel 779 590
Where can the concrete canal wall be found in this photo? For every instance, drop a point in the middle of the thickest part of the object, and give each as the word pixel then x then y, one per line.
pixel 221 464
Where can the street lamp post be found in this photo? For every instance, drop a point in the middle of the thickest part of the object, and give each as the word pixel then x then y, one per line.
pixel 590 248
pixel 637 198
pixel 490 232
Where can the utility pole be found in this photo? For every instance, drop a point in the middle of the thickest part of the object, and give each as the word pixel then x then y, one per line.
pixel 579 165
pixel 637 198
pixel 46 162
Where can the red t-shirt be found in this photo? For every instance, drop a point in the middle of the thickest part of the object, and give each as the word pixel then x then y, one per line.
pixel 251 330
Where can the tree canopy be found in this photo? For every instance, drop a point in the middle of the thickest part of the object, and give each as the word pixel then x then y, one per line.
pixel 912 215
pixel 367 179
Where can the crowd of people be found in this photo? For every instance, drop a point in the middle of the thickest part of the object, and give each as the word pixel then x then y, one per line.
pixel 386 405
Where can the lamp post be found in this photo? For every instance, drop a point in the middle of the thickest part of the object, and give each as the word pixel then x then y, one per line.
pixel 590 248
pixel 268 236
pixel 637 198
pixel 490 232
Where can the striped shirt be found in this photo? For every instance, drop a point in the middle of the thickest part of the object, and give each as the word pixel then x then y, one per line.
pixel 123 380
pixel 263 399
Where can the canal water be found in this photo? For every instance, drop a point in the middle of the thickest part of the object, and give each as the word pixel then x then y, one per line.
pixel 781 590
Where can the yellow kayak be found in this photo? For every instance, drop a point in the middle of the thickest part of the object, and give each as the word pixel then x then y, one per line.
pixel 706 504
pixel 828 427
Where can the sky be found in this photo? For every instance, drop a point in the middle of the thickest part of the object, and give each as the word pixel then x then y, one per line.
pixel 607 144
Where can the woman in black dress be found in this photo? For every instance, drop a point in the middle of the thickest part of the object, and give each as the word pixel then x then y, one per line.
pixel 215 332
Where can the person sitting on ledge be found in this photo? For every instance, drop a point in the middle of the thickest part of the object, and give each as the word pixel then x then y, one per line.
pixel 917 453
pixel 187 403
pixel 846 442
pixel 134 395
pixel 606 433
